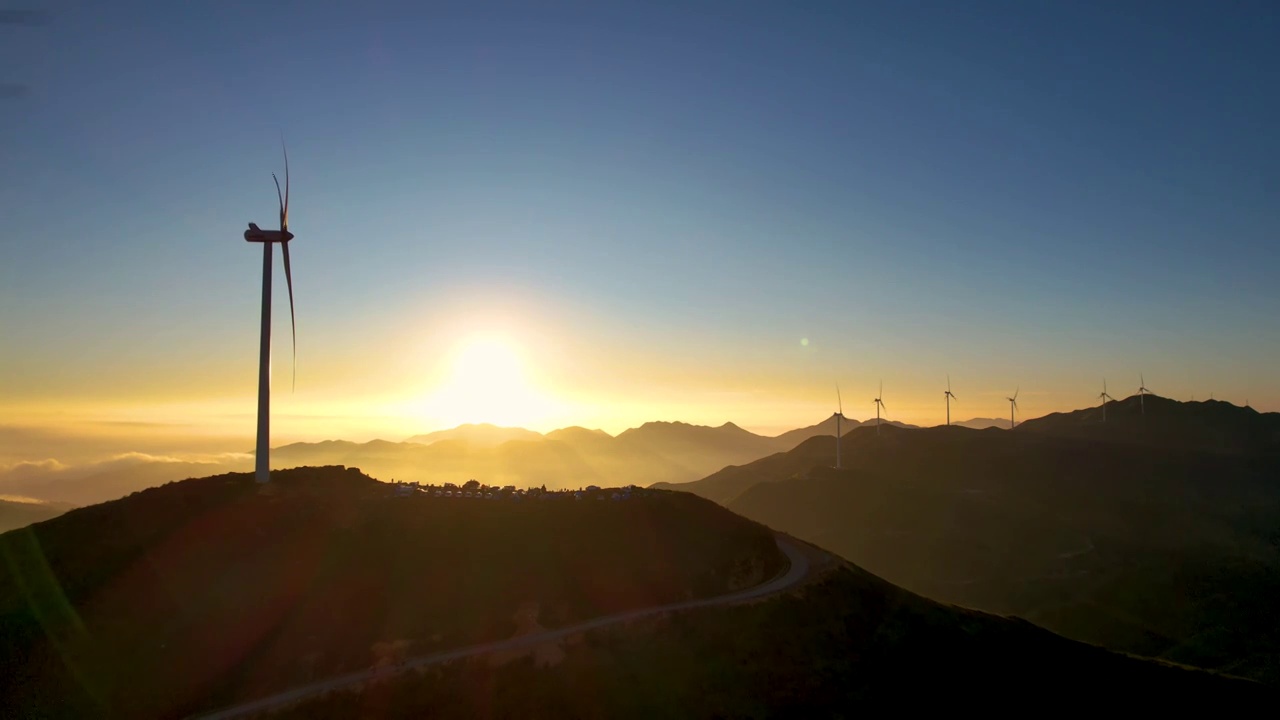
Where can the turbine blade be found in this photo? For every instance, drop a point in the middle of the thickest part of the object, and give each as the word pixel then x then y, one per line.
pixel 839 402
pixel 293 322
pixel 280 199
pixel 284 211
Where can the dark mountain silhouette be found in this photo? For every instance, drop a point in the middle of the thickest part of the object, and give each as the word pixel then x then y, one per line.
pixel 692 446
pixel 482 435
pixel 1169 552
pixel 792 438
pixel 1210 425
pixel 204 593
pixel 201 592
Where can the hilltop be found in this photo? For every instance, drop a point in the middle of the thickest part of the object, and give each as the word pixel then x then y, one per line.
pixel 202 592
pixel 1158 550
pixel 481 435
pixel 1153 421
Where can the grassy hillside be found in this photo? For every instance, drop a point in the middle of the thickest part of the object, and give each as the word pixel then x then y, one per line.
pixel 1171 553
pixel 848 645
pixel 202 592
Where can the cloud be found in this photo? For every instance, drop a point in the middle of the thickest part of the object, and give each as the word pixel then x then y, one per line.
pixel 92 482
pixel 23 499
pixel 32 468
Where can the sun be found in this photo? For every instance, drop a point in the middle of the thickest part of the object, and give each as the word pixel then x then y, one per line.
pixel 488 382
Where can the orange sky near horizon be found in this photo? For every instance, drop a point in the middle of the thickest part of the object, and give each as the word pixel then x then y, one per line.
pixel 505 375
pixel 515 359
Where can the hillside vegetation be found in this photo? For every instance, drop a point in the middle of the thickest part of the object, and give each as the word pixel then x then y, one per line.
pixel 203 592
pixel 1144 543
pixel 848 645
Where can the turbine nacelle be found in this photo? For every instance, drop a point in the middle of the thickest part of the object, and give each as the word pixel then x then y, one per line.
pixel 257 234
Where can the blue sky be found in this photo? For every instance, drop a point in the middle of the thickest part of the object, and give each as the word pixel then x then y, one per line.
pixel 656 201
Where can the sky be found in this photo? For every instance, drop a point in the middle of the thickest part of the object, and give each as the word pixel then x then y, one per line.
pixel 602 214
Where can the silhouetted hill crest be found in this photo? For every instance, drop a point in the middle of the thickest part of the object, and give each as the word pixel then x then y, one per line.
pixel 1209 426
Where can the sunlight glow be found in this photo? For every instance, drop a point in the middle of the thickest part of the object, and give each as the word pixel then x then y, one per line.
pixel 489 383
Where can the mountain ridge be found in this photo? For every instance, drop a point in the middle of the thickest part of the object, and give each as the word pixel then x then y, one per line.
pixel 219 590
pixel 1058 526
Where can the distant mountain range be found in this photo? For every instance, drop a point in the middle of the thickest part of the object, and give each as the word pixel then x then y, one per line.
pixel 1159 536
pixel 983 423
pixel 568 457
pixel 20 513
pixel 656 452
pixel 482 435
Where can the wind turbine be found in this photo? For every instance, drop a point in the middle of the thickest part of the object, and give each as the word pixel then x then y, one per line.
pixel 1013 405
pixel 1142 391
pixel 879 406
pixel 262 467
pixel 839 417
pixel 1105 397
pixel 950 396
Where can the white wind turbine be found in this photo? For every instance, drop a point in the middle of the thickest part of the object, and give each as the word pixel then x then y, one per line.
pixel 839 417
pixel 262 465
pixel 1142 392
pixel 880 405
pixel 950 396
pixel 1013 406
pixel 1105 397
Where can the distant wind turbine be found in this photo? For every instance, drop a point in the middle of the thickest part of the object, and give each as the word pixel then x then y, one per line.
pixel 950 396
pixel 1142 392
pixel 880 405
pixel 839 417
pixel 1013 406
pixel 262 469
pixel 1105 397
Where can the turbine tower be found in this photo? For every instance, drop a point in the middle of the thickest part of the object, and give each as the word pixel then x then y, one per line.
pixel 839 417
pixel 879 406
pixel 1105 397
pixel 950 396
pixel 1142 391
pixel 1013 406
pixel 262 465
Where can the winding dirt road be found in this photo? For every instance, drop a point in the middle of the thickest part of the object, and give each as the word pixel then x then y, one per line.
pixel 798 570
